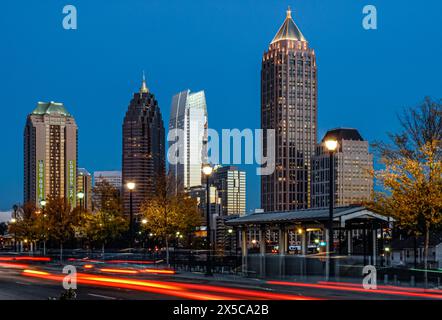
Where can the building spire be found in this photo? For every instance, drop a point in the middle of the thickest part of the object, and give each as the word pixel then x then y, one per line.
pixel 144 88
pixel 289 30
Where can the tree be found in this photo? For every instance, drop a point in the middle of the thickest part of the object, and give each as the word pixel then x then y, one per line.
pixel 25 221
pixel 104 226
pixel 107 223
pixel 3 228
pixel 62 221
pixel 107 197
pixel 412 178
pixel 170 211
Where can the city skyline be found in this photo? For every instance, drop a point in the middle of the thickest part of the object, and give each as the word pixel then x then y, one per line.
pixel 70 92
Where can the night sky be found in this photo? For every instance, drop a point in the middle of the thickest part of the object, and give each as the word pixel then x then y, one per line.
pixel 365 77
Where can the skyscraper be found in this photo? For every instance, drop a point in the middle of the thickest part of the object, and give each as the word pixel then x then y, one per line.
pixel 143 147
pixel 230 183
pixel 189 115
pixel 84 185
pixel 353 162
pixel 50 154
pixel 289 106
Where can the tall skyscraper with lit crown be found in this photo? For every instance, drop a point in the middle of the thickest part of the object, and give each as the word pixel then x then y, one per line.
pixel 289 105
pixel 143 148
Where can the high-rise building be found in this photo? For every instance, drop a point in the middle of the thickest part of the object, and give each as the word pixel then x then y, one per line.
pixel 189 116
pixel 230 183
pixel 50 154
pixel 143 148
pixel 352 163
pixel 84 185
pixel 289 106
pixel 112 177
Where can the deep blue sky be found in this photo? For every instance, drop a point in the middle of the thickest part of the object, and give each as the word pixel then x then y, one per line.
pixel 365 77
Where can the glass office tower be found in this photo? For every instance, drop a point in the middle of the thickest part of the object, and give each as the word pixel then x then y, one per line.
pixel 189 116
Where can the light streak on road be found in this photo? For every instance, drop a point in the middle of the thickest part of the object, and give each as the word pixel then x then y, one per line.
pixel 122 271
pixel 388 287
pixel 24 258
pixel 130 261
pixel 13 265
pixel 341 287
pixel 176 289
pixel 159 271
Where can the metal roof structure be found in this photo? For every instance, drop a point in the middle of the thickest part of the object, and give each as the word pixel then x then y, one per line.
pixel 50 108
pixel 340 214
pixel 289 30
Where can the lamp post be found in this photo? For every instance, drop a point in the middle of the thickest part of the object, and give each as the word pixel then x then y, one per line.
pixel 144 222
pixel 43 205
pixel 80 196
pixel 207 171
pixel 13 221
pixel 331 146
pixel 131 187
pixel 230 231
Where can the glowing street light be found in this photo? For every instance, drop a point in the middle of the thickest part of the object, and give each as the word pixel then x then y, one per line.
pixel 331 146
pixel 144 221
pixel 207 171
pixel 80 195
pixel 131 187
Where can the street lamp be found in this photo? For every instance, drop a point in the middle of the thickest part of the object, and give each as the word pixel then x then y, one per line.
pixel 230 232
pixel 43 205
pixel 331 146
pixel 131 188
pixel 80 196
pixel 14 220
pixel 207 171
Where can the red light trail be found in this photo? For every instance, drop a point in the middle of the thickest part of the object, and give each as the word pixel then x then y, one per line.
pixel 177 289
pixel 341 287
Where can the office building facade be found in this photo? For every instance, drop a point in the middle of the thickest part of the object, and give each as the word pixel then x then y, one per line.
pixel 50 154
pixel 189 116
pixel 230 183
pixel 289 106
pixel 143 148
pixel 114 178
pixel 84 185
pixel 353 164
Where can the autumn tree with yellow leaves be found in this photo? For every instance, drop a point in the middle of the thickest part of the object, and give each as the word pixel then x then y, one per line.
pixel 411 180
pixel 170 211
